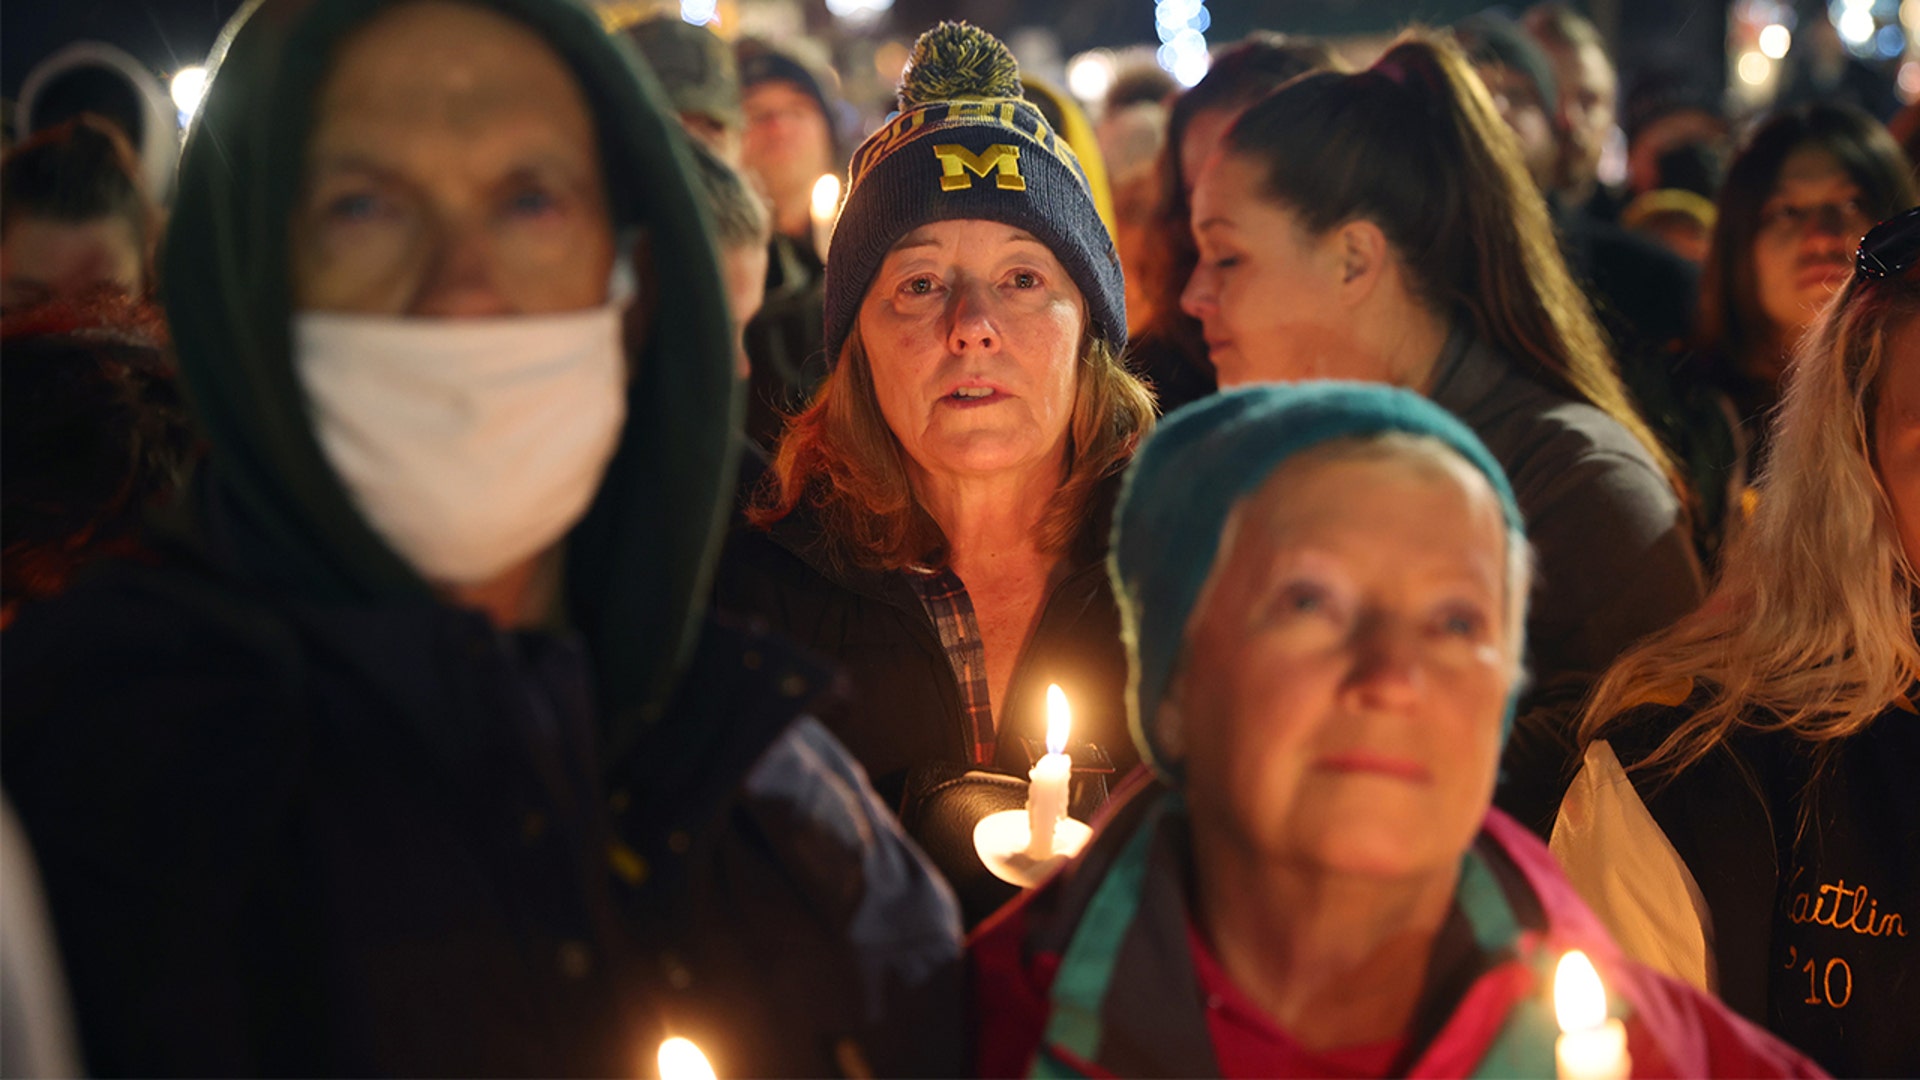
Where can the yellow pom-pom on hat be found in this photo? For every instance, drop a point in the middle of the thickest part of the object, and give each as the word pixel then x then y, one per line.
pixel 957 60
pixel 968 145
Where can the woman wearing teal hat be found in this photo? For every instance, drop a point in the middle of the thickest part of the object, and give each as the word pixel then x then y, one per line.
pixel 1381 226
pixel 1324 588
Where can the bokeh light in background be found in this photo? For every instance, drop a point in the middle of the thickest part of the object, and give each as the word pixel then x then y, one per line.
pixel 1775 40
pixel 700 12
pixel 858 10
pixel 1182 28
pixel 1856 24
pixel 1090 75
pixel 188 88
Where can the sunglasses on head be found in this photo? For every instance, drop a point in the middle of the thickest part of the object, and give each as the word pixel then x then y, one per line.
pixel 1891 247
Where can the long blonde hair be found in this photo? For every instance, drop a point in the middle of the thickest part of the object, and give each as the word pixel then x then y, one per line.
pixel 1810 629
pixel 840 458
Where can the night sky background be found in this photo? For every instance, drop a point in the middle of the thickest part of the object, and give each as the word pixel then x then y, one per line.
pixel 169 34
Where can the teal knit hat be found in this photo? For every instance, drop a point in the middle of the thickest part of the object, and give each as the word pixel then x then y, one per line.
pixel 1200 462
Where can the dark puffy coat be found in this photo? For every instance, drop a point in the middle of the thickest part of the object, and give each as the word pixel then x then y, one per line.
pixel 904 706
pixel 1613 554
pixel 291 838
pixel 296 815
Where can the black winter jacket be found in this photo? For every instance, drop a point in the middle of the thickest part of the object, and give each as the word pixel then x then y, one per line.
pixel 904 707
pixel 1811 873
pixel 286 838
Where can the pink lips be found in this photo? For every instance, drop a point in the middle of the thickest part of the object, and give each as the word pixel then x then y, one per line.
pixel 1367 763
pixel 952 398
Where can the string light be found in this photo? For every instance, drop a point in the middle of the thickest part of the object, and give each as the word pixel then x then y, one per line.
pixel 1182 27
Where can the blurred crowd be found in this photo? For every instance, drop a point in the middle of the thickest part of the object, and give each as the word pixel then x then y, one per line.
pixel 526 544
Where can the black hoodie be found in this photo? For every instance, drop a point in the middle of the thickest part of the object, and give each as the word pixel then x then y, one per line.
pixel 297 816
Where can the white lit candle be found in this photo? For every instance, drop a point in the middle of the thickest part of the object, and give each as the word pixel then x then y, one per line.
pixel 681 1059
pixel 825 206
pixel 1591 1046
pixel 1047 783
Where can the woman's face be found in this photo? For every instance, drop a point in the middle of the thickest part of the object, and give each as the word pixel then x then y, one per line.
pixel 1896 433
pixel 1803 249
pixel 973 330
pixel 1266 290
pixel 1348 667
pixel 453 171
pixel 1206 130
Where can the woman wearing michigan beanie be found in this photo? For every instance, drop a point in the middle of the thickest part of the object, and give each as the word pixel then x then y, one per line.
pixel 935 520
pixel 1325 588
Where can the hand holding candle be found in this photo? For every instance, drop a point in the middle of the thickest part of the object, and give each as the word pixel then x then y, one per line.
pixel 1047 783
pixel 1591 1046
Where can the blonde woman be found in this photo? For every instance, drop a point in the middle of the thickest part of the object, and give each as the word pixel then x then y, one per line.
pixel 1763 838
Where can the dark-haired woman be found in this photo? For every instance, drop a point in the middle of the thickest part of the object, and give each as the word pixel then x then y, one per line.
pixel 1380 226
pixel 1797 199
pixel 73 217
pixel 936 517
pixel 1172 352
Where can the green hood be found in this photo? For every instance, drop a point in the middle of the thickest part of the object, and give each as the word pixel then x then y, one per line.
pixel 639 563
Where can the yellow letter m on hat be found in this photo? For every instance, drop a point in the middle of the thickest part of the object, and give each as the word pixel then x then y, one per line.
pixel 957 161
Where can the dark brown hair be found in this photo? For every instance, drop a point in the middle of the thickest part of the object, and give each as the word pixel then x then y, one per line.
pixel 1415 146
pixel 95 437
pixel 1240 76
pixel 76 172
pixel 1732 327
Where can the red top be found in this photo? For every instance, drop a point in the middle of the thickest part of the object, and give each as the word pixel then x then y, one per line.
pixel 1248 1044
pixel 1674 1031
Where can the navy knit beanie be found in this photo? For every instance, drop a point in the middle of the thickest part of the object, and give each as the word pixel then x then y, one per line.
pixel 965 144
pixel 1197 465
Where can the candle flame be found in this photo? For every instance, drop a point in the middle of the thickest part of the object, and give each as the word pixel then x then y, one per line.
pixel 826 197
pixel 1059 719
pixel 680 1059
pixel 1579 1000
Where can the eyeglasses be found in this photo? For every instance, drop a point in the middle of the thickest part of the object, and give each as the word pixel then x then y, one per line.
pixel 1890 247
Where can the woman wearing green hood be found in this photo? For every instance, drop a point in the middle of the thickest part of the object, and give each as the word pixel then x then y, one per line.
pixel 413 753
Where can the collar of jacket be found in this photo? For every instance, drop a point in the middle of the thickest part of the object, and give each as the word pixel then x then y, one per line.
pixel 741 689
pixel 1125 1000
pixel 801 535
pixel 1467 372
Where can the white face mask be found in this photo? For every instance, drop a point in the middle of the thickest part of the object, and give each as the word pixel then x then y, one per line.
pixel 469 445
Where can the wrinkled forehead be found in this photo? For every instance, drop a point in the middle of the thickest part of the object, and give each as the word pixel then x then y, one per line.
pixel 453 66
pixel 1290 501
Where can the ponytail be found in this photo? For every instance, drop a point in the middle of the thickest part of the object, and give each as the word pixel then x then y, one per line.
pixel 1415 145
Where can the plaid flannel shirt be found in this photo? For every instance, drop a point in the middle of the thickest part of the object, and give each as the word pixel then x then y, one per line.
pixel 944 596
